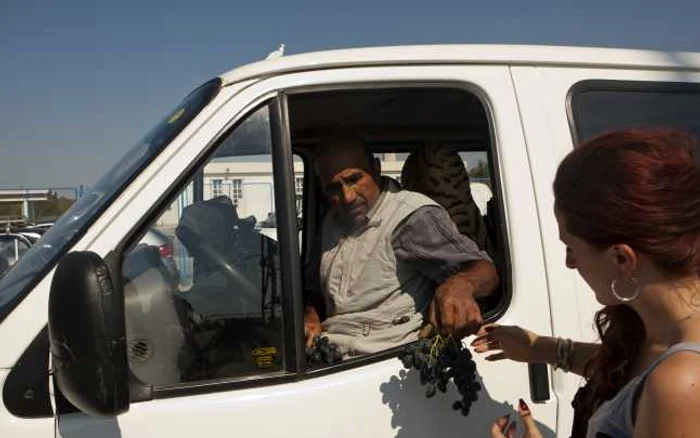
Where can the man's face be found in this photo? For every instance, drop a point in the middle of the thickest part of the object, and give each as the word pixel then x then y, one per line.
pixel 350 183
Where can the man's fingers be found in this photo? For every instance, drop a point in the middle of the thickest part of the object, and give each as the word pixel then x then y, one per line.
pixel 446 313
pixel 531 430
pixel 468 319
pixel 311 332
pixel 432 316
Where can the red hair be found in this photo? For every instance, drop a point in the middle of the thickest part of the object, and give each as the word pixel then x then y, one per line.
pixel 641 188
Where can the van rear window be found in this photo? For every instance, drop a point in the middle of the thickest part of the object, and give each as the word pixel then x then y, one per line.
pixel 597 107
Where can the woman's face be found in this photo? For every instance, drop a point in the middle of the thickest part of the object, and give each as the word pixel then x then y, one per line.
pixel 591 263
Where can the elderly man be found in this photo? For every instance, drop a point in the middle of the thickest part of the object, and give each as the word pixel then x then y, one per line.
pixel 388 258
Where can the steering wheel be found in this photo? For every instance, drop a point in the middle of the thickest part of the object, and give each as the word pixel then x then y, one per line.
pixel 236 279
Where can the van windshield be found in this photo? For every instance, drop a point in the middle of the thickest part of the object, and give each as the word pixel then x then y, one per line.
pixel 16 282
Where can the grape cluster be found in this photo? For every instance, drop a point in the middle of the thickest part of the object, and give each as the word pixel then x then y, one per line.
pixel 322 352
pixel 440 360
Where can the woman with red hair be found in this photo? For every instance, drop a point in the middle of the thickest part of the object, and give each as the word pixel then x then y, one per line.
pixel 628 208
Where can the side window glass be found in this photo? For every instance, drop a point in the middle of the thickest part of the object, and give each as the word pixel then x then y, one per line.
pixel 598 107
pixel 202 285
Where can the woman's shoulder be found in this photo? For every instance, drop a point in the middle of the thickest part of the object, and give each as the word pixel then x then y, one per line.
pixel 670 401
pixel 675 380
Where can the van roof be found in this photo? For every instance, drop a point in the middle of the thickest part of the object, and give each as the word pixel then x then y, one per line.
pixel 467 54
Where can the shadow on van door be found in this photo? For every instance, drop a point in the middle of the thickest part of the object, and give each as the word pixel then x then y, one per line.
pixel 416 416
pixel 80 425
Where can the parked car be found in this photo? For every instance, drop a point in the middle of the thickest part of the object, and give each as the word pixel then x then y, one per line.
pixel 32 233
pixel 12 247
pixel 153 237
pixel 164 243
pixel 128 359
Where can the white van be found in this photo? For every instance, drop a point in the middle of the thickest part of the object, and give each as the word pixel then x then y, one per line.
pixel 218 351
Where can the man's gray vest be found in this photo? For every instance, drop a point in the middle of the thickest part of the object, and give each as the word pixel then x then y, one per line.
pixel 374 302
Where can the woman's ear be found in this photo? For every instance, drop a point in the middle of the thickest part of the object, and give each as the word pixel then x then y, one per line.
pixel 625 258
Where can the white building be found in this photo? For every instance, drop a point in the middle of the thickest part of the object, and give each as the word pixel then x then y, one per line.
pixel 250 186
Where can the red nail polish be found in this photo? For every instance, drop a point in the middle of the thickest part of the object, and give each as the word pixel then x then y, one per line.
pixel 523 406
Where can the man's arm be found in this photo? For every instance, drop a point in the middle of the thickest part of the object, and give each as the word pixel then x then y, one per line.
pixel 430 241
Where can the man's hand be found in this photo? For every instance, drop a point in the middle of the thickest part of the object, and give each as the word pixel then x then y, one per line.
pixel 312 324
pixel 453 310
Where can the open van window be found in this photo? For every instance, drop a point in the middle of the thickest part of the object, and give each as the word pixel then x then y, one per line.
pixel 73 224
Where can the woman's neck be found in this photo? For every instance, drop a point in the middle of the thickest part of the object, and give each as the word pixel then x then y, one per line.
pixel 670 312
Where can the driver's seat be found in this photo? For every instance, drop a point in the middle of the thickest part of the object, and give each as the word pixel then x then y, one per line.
pixel 212 221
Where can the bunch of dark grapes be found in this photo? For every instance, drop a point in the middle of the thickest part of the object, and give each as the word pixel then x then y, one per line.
pixel 441 360
pixel 322 352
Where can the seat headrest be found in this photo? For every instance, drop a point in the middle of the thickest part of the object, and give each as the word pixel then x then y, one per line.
pixel 213 220
pixel 437 171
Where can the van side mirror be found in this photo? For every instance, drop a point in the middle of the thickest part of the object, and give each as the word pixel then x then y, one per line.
pixel 87 336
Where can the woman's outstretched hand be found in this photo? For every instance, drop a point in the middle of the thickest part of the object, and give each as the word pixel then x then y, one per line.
pixel 509 341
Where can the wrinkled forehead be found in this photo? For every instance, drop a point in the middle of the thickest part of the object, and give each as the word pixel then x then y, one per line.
pixel 336 157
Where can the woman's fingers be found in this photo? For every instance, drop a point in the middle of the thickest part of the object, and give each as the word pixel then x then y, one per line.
pixel 510 432
pixel 485 329
pixel 503 428
pixel 482 347
pixel 487 333
pixel 495 357
pixel 531 430
pixel 500 428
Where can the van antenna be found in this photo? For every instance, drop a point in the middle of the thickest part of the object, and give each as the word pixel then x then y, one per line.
pixel 277 53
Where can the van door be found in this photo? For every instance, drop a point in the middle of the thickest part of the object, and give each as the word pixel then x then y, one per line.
pixel 562 107
pixel 218 348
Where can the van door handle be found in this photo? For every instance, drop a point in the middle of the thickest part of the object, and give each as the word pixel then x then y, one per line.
pixel 539 382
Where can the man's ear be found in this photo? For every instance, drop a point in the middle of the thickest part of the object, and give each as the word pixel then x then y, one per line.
pixel 625 258
pixel 377 169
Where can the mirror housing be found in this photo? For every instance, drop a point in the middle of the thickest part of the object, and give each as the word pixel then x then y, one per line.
pixel 87 336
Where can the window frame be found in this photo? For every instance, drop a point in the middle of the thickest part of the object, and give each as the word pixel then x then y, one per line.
pixel 620 86
pixel 310 223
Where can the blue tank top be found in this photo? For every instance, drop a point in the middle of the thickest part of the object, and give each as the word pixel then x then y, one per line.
pixel 614 418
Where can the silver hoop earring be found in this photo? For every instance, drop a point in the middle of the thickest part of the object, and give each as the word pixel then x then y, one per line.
pixel 635 294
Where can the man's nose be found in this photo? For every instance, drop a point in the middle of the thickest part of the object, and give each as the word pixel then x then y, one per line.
pixel 349 195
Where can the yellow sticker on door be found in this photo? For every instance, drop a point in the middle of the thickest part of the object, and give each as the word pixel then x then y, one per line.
pixel 265 357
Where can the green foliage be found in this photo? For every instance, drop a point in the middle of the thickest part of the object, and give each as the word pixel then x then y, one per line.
pixel 480 171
